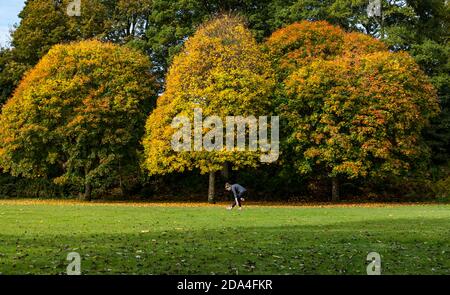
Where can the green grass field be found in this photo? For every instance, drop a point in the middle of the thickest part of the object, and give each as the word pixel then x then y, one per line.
pixel 35 238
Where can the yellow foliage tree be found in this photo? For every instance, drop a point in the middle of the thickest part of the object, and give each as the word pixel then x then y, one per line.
pixel 79 115
pixel 222 71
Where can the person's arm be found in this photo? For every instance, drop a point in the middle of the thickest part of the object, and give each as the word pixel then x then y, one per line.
pixel 233 189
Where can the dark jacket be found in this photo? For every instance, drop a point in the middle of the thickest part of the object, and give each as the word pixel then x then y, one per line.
pixel 238 190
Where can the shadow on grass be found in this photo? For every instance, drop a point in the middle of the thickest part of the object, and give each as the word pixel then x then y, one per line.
pixel 407 246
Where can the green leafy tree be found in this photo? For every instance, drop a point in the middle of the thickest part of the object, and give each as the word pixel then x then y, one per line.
pixel 45 23
pixel 422 28
pixel 347 14
pixel 10 73
pixel 171 23
pixel 78 116
pixel 222 71
pixel 434 59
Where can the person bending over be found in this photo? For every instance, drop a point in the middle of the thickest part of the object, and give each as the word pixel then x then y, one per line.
pixel 238 193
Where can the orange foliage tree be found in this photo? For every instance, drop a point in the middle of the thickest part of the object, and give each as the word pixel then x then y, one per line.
pixel 351 107
pixel 301 43
pixel 79 115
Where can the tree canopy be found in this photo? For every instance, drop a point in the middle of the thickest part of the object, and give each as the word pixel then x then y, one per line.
pixel 222 71
pixel 45 23
pixel 78 115
pixel 356 111
pixel 160 29
pixel 301 43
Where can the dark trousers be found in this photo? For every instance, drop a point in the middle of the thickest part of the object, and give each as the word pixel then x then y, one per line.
pixel 237 200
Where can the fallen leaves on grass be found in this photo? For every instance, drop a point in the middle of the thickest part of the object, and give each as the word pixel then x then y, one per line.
pixel 55 202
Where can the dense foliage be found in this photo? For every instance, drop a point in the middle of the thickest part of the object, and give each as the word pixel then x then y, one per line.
pixel 160 28
pixel 301 43
pixel 45 23
pixel 222 71
pixel 78 116
pixel 352 108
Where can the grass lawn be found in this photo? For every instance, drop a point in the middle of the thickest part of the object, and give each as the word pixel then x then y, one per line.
pixel 36 236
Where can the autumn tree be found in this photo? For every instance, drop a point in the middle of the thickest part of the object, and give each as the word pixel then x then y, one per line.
pixel 353 109
pixel 222 71
pixel 172 22
pixel 45 23
pixel 78 116
pixel 301 43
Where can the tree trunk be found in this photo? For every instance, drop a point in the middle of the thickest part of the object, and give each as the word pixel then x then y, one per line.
pixel 87 191
pixel 87 185
pixel 334 189
pixel 121 186
pixel 211 189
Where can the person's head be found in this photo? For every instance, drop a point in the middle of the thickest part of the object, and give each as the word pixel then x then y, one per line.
pixel 228 186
